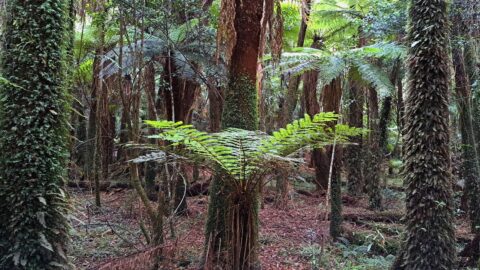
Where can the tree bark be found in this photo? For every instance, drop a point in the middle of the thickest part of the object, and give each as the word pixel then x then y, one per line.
pixel 430 234
pixel 374 153
pixel 353 156
pixel 150 167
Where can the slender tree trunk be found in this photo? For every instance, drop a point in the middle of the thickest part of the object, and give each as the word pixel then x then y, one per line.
pixel 215 98
pixel 151 167
pixel 374 153
pixel 384 121
pixel 34 135
pixel 92 121
pixel 430 234
pixel 325 166
pixel 98 142
pixel 179 99
pixel 470 168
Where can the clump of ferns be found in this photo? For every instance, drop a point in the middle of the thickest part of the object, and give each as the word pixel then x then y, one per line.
pixel 244 158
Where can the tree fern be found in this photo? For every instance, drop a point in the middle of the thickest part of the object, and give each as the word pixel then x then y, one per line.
pixel 331 65
pixel 185 44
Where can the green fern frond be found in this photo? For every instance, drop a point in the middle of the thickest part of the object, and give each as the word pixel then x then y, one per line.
pixel 243 154
pixel 374 76
pixel 381 50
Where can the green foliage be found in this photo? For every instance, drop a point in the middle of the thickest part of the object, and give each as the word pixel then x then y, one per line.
pixel 332 65
pixel 243 154
pixel 341 22
pixel 241 104
pixel 291 24
pixel 33 135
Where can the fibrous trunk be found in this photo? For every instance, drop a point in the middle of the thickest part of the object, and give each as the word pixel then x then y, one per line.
pixel 353 153
pixel 372 174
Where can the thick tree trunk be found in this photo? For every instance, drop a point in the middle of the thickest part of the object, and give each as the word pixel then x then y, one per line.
pixel 331 97
pixel 430 234
pixel 34 135
pixel 227 205
pixel 470 168
pixel 353 154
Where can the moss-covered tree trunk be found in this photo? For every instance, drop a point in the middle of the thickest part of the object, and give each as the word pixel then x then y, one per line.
pixel 237 245
pixel 430 239
pixel 470 168
pixel 33 140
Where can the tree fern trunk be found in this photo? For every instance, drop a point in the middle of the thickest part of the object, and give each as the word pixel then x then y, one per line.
pixel 353 153
pixel 372 175
pixel 240 111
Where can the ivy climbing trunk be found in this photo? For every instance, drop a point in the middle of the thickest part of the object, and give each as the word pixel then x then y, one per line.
pixel 232 225
pixel 430 235
pixel 470 168
pixel 34 135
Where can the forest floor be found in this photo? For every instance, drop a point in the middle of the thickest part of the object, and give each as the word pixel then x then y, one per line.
pixel 293 237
